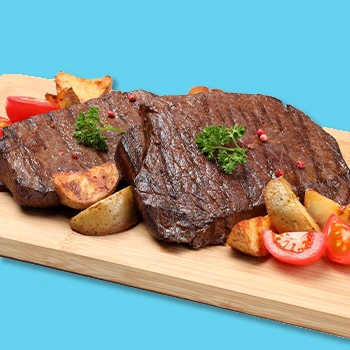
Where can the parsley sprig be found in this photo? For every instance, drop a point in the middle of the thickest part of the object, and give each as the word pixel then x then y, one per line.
pixel 88 127
pixel 213 140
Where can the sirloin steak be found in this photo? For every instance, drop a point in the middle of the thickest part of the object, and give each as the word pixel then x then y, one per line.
pixel 185 198
pixel 31 151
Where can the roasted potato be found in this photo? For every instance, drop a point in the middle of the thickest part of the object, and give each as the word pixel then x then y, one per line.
pixel 85 89
pixel 113 214
pixel 65 98
pixel 81 189
pixel 286 212
pixel 321 208
pixel 246 236
pixel 198 89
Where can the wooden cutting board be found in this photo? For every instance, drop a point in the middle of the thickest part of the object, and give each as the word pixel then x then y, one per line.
pixel 315 297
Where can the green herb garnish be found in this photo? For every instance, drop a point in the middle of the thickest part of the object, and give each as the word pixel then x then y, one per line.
pixel 212 140
pixel 88 127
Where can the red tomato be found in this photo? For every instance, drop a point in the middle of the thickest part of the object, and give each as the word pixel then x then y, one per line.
pixel 338 242
pixel 4 122
pixel 297 248
pixel 21 107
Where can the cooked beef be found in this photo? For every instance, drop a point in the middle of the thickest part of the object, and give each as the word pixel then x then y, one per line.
pixel 33 150
pixel 185 198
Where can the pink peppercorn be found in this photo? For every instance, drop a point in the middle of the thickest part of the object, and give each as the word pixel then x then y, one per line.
pixel 260 132
pixel 279 172
pixel 300 164
pixel 74 155
pixel 263 137
pixel 111 114
pixel 132 97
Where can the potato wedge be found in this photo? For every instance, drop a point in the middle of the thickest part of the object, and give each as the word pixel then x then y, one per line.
pixel 85 89
pixel 65 98
pixel 286 212
pixel 81 189
pixel 113 214
pixel 246 236
pixel 321 207
pixel 198 89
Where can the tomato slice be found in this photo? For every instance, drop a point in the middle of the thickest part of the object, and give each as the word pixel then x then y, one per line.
pixel 22 107
pixel 338 242
pixel 297 248
pixel 4 122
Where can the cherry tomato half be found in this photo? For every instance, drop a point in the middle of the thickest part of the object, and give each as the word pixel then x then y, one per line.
pixel 297 248
pixel 22 107
pixel 338 242
pixel 4 122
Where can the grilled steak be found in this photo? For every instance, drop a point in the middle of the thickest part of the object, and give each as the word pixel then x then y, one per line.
pixel 33 150
pixel 185 198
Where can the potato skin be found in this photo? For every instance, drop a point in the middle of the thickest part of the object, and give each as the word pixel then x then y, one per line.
pixel 113 214
pixel 85 89
pixel 72 90
pixel 81 189
pixel 321 207
pixel 286 212
pixel 246 236
pixel 65 98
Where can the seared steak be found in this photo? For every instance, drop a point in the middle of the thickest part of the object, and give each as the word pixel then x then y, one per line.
pixel 185 198
pixel 33 150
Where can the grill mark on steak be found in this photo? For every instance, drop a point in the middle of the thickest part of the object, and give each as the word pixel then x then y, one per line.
pixel 250 181
pixel 185 198
pixel 306 152
pixel 323 157
pixel 289 152
pixel 30 150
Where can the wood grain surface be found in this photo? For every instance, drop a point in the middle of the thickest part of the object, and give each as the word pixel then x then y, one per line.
pixel 315 297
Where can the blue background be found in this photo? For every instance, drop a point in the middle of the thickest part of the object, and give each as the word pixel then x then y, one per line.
pixel 297 51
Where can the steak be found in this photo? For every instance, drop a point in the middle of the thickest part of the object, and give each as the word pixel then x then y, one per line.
pixel 185 198
pixel 31 151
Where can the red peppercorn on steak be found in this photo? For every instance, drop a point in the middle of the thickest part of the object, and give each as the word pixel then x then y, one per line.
pixel 186 198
